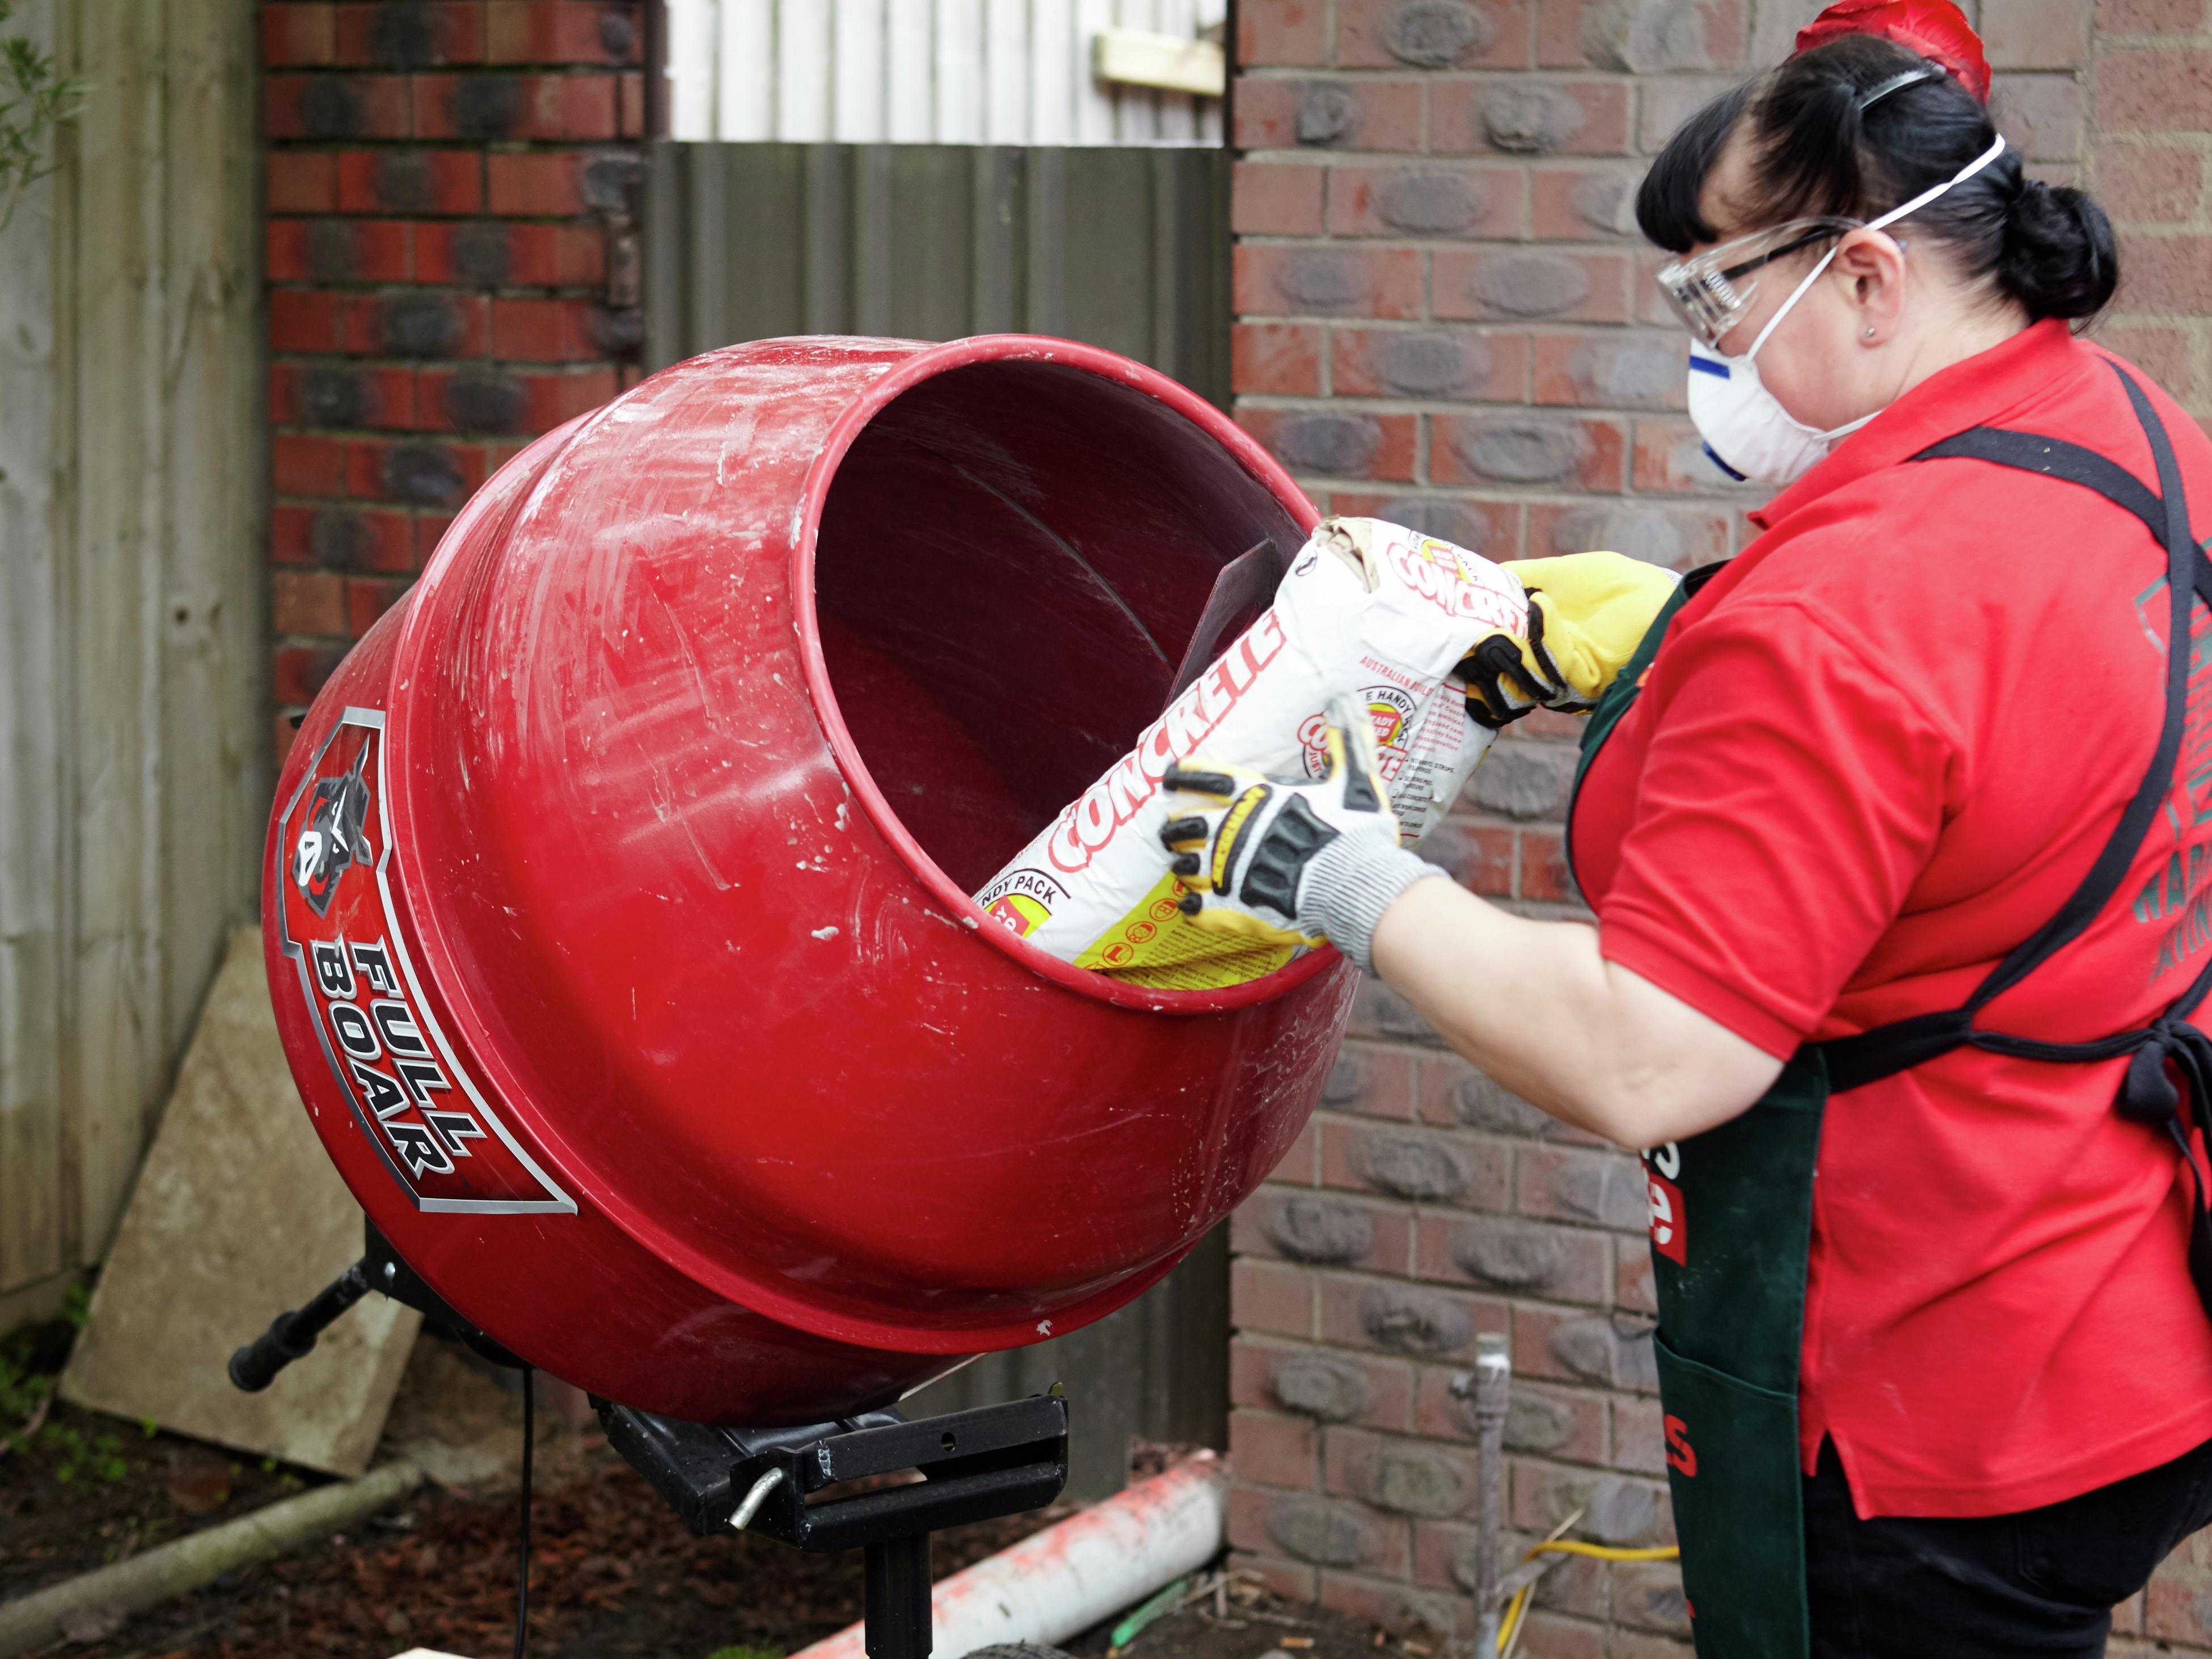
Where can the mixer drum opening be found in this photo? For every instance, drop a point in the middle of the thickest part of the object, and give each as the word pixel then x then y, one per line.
pixel 1011 557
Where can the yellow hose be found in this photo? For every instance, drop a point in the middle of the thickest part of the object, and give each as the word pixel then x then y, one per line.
pixel 1519 1605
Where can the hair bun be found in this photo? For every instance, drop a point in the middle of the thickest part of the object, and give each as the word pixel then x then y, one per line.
pixel 2058 257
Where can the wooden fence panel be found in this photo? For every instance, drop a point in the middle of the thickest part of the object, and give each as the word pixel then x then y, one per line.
pixel 134 741
pixel 1127 248
pixel 35 1223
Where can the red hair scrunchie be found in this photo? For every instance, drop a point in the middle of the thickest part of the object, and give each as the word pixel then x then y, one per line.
pixel 1936 29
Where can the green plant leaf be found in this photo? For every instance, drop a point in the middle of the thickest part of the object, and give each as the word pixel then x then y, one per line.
pixel 40 101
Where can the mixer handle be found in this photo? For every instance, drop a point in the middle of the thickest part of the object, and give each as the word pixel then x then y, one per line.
pixel 292 1335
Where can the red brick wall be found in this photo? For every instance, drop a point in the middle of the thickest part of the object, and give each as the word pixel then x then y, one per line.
pixel 2148 142
pixel 1444 317
pixel 452 190
pixel 2151 92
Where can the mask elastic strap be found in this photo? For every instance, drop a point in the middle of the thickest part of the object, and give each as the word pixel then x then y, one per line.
pixel 1888 218
pixel 1848 427
pixel 1956 179
pixel 1795 294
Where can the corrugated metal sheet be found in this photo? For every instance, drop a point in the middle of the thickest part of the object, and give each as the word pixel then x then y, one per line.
pixel 1127 248
pixel 923 72
pixel 1122 248
pixel 134 741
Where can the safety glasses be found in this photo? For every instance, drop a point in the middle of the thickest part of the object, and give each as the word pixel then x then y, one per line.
pixel 1712 292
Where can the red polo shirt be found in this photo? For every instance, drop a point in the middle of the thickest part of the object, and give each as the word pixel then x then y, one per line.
pixel 1877 751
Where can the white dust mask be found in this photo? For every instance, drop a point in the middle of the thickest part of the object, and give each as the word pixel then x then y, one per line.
pixel 1746 430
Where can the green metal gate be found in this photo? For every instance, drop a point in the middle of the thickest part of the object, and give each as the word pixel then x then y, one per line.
pixel 1125 248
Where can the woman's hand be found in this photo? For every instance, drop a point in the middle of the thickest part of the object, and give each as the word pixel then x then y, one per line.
pixel 1586 614
pixel 1292 862
pixel 1535 1005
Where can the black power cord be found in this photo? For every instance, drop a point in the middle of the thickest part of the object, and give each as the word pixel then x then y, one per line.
pixel 522 1564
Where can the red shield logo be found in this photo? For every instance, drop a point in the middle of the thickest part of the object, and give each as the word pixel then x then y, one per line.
pixel 388 1051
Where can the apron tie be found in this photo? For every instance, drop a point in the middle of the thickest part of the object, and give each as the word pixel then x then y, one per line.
pixel 2148 1094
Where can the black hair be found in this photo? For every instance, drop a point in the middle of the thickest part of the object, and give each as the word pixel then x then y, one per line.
pixel 1823 148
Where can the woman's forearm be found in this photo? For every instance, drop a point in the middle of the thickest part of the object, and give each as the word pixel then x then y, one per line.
pixel 1535 1006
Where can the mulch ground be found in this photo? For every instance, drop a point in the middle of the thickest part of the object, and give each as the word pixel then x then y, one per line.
pixel 1254 1626
pixel 86 1490
pixel 613 1574
pixel 79 1489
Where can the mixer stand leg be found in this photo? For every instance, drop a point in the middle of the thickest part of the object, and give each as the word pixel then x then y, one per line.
pixel 897 1576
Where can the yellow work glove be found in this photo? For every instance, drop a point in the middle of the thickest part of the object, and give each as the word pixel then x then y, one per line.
pixel 1289 861
pixel 1586 614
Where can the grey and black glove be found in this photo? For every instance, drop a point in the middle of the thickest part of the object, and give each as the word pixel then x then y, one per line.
pixel 1292 862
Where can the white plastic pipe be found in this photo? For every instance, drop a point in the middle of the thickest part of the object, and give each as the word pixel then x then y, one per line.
pixel 1069 1577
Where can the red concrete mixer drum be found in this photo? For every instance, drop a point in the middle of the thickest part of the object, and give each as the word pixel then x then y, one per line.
pixel 617 890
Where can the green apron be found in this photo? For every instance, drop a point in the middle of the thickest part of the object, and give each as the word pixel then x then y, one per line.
pixel 1732 1209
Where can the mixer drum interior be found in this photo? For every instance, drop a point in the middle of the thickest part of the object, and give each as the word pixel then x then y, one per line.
pixel 1011 560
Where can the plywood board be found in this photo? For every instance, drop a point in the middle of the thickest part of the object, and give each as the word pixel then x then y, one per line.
pixel 237 1216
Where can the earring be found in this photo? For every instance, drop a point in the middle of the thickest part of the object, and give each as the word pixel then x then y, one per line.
pixel 1870 333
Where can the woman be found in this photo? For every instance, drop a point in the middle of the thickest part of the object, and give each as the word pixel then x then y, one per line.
pixel 1895 829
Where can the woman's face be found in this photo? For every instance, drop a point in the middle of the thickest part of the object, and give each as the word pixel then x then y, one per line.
pixel 1814 362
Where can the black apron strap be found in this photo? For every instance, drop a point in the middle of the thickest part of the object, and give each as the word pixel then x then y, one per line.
pixel 1888 1049
pixel 2171 525
pixel 2030 452
pixel 2172 1045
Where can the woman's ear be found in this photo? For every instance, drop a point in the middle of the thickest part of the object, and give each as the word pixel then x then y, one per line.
pixel 1869 267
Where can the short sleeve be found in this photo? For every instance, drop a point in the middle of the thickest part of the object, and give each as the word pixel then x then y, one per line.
pixel 1790 795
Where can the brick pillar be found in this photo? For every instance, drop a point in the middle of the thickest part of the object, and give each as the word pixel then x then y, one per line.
pixel 2148 144
pixel 2151 141
pixel 453 195
pixel 1445 317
